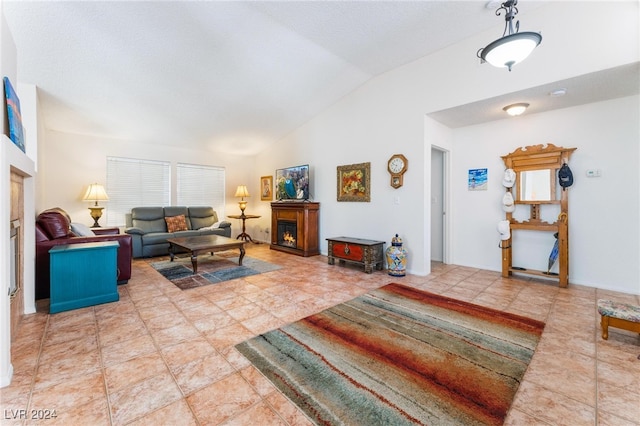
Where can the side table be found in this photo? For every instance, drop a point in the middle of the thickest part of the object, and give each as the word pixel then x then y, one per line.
pixel 83 274
pixel 244 236
pixel 111 230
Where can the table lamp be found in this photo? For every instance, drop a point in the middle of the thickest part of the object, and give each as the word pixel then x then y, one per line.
pixel 242 192
pixel 96 193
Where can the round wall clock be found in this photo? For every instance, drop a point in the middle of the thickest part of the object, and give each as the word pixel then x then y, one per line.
pixel 397 166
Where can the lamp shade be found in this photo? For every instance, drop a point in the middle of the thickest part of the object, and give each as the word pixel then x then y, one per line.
pixel 511 49
pixel 96 193
pixel 242 191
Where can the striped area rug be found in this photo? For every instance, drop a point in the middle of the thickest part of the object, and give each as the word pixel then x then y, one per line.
pixel 398 355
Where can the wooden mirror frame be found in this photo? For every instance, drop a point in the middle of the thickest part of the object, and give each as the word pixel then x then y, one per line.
pixel 537 157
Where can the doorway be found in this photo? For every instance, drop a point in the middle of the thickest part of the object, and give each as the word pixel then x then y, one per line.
pixel 438 205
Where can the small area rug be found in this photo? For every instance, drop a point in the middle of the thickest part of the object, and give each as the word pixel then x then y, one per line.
pixel 212 269
pixel 399 356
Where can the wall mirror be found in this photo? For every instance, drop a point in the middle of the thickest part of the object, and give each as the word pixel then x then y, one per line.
pixel 536 167
pixel 536 185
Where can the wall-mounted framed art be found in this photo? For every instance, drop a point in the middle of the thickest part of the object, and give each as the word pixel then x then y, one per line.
pixel 354 182
pixel 14 116
pixel 477 180
pixel 266 188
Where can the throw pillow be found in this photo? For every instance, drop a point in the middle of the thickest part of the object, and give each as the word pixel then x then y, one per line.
pixel 176 223
pixel 81 230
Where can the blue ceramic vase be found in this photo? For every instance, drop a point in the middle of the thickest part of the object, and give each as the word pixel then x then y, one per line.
pixel 396 258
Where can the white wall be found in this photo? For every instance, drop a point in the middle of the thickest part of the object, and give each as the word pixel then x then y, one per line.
pixel 387 116
pixel 604 213
pixel 71 162
pixel 347 135
pixel 8 64
pixel 383 117
pixel 13 160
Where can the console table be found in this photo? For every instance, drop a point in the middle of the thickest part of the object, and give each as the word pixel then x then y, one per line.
pixel 244 236
pixel 356 250
pixel 83 274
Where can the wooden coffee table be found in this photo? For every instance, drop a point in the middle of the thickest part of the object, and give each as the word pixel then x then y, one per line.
pixel 204 243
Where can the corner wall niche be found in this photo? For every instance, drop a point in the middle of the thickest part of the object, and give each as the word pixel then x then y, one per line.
pixel 294 227
pixel 536 169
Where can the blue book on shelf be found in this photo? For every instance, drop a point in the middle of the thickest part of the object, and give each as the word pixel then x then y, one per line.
pixel 13 114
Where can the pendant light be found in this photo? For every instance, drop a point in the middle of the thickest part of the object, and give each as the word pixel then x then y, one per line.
pixel 513 47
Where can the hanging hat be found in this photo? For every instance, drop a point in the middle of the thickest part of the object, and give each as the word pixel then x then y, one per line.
pixel 565 176
pixel 504 230
pixel 509 178
pixel 507 203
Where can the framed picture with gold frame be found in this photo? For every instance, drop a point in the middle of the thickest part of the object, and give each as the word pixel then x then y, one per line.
pixel 354 182
pixel 266 188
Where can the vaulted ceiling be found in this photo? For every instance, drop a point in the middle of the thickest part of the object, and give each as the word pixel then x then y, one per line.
pixel 230 76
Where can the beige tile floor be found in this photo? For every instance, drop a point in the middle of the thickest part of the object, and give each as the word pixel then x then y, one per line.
pixel 165 356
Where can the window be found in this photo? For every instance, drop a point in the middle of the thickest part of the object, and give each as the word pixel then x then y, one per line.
pixel 135 183
pixel 201 186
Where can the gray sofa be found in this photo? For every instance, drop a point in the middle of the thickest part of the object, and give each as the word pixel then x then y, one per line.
pixel 148 227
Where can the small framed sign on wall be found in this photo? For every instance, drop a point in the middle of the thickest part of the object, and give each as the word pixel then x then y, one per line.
pixel 477 180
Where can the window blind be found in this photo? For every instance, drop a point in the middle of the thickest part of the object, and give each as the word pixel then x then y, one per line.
pixel 135 183
pixel 199 185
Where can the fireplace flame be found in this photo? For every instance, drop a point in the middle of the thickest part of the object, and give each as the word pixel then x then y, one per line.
pixel 288 238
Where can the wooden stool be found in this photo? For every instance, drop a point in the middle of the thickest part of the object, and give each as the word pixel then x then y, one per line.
pixel 619 315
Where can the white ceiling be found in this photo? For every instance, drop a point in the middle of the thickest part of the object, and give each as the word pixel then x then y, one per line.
pixel 584 89
pixel 228 76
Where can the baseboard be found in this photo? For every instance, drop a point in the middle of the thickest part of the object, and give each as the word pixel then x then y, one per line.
pixel 5 378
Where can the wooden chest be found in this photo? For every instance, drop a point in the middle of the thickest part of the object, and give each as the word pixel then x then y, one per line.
pixel 356 250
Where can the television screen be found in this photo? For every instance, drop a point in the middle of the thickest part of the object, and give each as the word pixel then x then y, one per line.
pixel 292 183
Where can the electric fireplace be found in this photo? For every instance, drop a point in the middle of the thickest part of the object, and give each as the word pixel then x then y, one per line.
pixel 294 227
pixel 287 233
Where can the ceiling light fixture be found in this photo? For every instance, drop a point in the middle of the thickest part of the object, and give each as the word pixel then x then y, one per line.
pixel 516 109
pixel 557 93
pixel 513 47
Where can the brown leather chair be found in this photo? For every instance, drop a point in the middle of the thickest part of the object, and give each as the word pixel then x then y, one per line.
pixel 53 227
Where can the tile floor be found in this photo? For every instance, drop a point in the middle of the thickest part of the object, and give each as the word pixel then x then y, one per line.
pixel 165 356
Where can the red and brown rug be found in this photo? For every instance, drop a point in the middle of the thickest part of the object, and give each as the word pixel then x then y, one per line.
pixel 398 355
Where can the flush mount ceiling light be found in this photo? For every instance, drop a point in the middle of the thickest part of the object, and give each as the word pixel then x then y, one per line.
pixel 516 109
pixel 513 47
pixel 557 93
